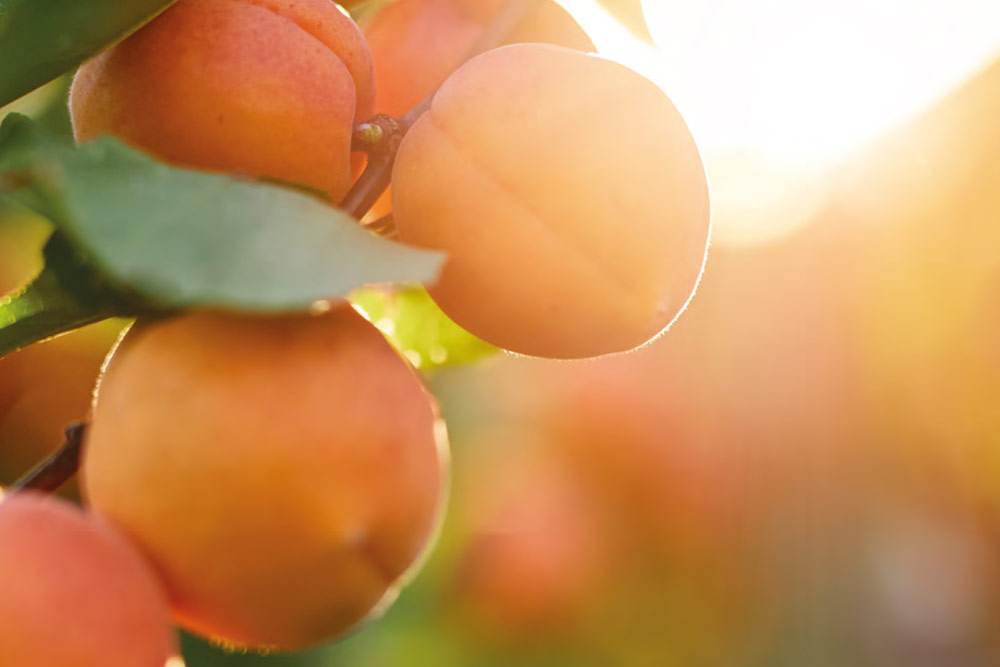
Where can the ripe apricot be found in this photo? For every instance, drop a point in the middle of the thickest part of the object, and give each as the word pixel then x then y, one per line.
pixel 76 593
pixel 43 388
pixel 283 474
pixel 569 195
pixel 416 44
pixel 263 87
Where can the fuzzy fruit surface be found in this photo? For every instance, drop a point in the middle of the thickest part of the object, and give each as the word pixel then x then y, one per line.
pixel 266 88
pixel 76 593
pixel 43 388
pixel 569 195
pixel 283 474
pixel 416 44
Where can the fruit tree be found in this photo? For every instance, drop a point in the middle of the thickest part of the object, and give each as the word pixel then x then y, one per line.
pixel 262 463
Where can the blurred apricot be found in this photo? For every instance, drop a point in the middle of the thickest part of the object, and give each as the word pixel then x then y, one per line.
pixel 45 387
pixel 537 554
pixel 76 593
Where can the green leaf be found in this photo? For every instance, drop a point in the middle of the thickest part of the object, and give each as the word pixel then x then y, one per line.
pixel 419 329
pixel 63 297
pixel 41 39
pixel 168 238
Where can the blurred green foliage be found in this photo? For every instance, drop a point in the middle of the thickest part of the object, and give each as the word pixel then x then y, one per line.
pixel 39 40
pixel 418 328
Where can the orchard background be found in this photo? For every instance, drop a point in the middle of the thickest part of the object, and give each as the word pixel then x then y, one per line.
pixel 802 471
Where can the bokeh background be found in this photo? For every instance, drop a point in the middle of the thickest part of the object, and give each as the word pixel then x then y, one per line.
pixel 805 470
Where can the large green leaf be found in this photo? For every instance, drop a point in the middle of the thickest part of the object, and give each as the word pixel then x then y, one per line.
pixel 173 238
pixel 41 39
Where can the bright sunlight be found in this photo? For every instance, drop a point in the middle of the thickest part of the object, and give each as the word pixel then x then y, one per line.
pixel 778 92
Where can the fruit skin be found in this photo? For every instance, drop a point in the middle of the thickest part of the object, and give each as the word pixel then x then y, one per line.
pixel 45 387
pixel 569 195
pixel 416 44
pixel 267 88
pixel 76 593
pixel 283 474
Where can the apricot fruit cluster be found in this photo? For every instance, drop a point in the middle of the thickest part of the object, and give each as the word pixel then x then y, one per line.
pixel 284 475
pixel 565 188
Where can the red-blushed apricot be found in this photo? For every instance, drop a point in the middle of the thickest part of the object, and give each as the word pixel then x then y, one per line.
pixel 569 195
pixel 283 474
pixel 76 592
pixel 267 88
pixel 416 44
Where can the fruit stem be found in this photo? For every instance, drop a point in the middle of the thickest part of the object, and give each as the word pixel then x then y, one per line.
pixel 58 467
pixel 375 135
pixel 380 139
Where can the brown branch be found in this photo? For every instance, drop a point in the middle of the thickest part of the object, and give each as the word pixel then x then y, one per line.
pixel 58 467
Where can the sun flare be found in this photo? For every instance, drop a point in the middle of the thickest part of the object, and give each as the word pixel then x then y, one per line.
pixel 778 92
pixel 817 80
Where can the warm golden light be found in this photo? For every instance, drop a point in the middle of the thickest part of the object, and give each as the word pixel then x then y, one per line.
pixel 779 92
pixel 817 79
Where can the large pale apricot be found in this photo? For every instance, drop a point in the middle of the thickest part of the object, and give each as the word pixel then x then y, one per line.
pixel 283 474
pixel 416 44
pixel 267 88
pixel 75 591
pixel 569 195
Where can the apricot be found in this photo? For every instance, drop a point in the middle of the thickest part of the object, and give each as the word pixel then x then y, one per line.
pixel 538 553
pixel 76 593
pixel 283 474
pixel 45 387
pixel 569 195
pixel 416 44
pixel 266 88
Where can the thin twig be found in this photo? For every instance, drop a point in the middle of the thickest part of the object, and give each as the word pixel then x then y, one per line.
pixel 59 467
